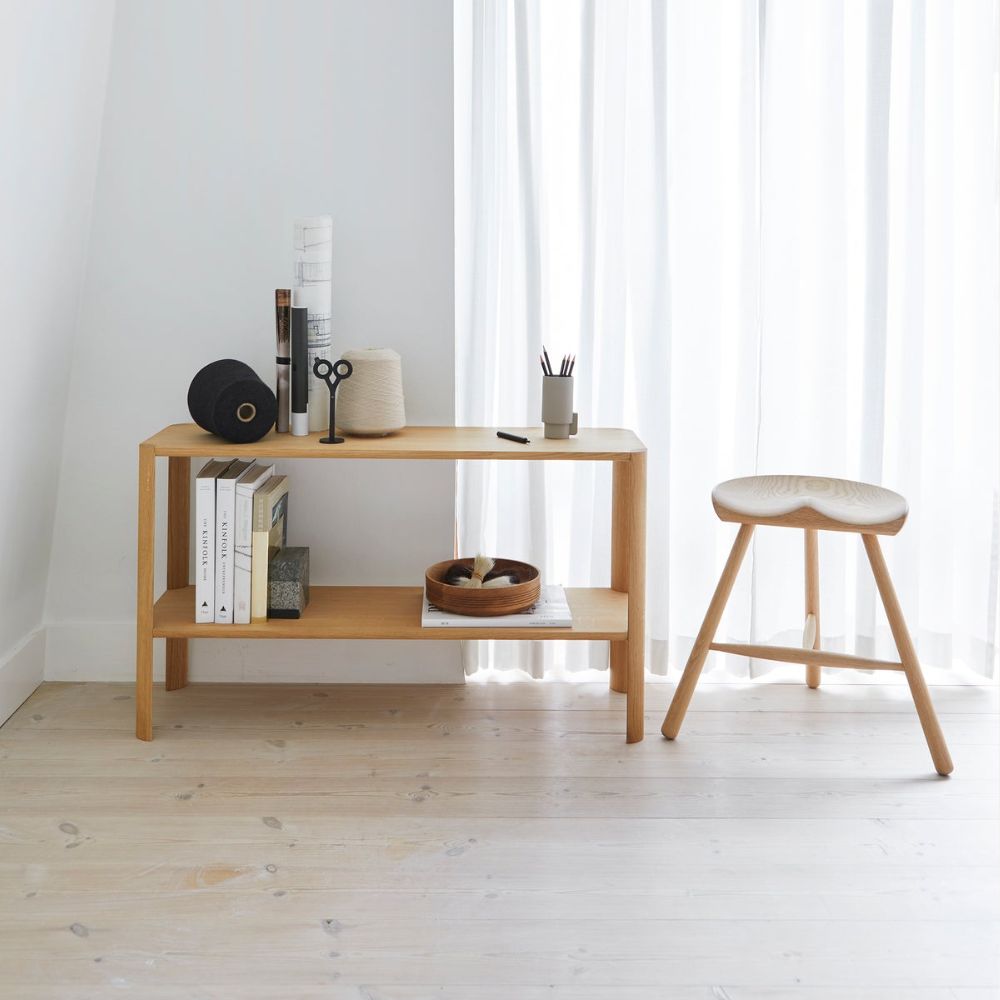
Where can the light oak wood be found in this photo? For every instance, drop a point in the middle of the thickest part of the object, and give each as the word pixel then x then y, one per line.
pixel 807 518
pixel 618 663
pixel 908 656
pixel 635 543
pixel 809 633
pixel 178 554
pixel 387 613
pixel 798 501
pixel 764 493
pixel 813 670
pixel 391 847
pixel 621 502
pixel 144 594
pixel 591 444
pixel 393 613
pixel 702 644
pixel 811 657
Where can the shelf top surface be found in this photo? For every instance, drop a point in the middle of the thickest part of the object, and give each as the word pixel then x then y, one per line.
pixel 591 444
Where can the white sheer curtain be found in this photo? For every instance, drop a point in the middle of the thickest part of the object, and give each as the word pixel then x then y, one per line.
pixel 769 231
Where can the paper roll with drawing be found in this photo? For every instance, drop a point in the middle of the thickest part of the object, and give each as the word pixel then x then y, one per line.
pixel 313 245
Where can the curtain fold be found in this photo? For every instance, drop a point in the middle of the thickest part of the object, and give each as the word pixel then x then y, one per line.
pixel 770 235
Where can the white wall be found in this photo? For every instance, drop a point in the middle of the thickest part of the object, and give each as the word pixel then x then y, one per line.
pixel 53 65
pixel 224 121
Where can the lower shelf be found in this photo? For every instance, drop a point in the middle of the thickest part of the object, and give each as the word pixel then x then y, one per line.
pixel 387 613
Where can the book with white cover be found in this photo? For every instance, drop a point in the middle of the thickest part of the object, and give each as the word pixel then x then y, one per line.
pixel 551 610
pixel 225 512
pixel 253 479
pixel 204 533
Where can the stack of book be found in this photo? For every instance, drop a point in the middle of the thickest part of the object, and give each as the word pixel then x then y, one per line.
pixel 241 521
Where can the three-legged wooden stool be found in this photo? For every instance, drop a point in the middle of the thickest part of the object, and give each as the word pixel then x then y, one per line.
pixel 813 504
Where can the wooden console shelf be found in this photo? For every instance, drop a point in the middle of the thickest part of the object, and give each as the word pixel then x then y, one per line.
pixel 615 614
pixel 389 613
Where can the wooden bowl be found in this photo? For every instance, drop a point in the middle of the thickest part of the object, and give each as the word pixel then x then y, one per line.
pixel 483 603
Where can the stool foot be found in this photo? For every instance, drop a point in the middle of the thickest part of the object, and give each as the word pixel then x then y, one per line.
pixel 689 679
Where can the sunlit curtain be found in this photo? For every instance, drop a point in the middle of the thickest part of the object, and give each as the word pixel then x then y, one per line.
pixel 769 232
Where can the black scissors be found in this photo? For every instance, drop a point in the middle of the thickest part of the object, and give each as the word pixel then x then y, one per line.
pixel 324 369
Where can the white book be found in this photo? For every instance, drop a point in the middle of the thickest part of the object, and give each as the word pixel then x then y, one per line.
pixel 252 479
pixel 551 610
pixel 225 513
pixel 204 533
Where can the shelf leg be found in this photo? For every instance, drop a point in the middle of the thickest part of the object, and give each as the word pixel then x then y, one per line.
pixel 619 666
pixel 621 499
pixel 635 537
pixel 178 549
pixel 144 594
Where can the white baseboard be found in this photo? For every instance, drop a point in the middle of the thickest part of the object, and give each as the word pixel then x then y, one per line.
pixel 106 652
pixel 21 671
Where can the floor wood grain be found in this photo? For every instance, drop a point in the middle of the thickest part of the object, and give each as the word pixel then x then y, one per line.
pixel 498 842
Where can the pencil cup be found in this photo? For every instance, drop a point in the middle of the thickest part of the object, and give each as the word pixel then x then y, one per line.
pixel 557 406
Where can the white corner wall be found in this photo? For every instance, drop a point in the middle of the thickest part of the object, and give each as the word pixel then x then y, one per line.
pixel 53 67
pixel 224 121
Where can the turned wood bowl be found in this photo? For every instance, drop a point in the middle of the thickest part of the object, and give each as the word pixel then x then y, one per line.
pixel 479 602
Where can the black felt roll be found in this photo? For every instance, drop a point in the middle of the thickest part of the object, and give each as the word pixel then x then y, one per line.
pixel 228 398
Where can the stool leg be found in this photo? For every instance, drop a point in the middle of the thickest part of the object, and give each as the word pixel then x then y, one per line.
pixel 908 657
pixel 813 670
pixel 685 689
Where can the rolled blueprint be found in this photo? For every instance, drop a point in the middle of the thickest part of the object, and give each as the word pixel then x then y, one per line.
pixel 313 245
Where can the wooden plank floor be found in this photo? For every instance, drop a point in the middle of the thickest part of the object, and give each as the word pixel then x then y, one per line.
pixel 498 842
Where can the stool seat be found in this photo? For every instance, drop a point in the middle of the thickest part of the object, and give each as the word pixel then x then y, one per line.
pixel 840 504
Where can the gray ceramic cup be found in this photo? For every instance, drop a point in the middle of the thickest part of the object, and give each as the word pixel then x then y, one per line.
pixel 557 406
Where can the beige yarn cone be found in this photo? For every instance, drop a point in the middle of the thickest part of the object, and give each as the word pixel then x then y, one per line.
pixel 370 402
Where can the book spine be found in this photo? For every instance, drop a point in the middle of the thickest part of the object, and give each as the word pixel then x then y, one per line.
pixel 242 555
pixel 204 520
pixel 258 562
pixel 225 502
pixel 258 576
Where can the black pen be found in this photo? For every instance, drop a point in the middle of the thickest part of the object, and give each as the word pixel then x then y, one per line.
pixel 512 437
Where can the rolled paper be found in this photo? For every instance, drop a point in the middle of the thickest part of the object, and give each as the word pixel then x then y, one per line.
pixel 313 247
